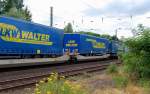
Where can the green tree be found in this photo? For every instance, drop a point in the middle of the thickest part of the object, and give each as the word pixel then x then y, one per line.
pixel 140 28
pixel 90 33
pixel 137 59
pixel 2 3
pixel 68 28
pixel 13 3
pixel 114 38
pixel 15 8
pixel 27 14
pixel 22 14
pixel 100 35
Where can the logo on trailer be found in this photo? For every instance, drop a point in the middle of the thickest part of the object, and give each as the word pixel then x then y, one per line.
pixel 13 34
pixel 96 44
pixel 71 43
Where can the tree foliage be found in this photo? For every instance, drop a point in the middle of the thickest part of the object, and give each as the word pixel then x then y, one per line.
pixel 68 28
pixel 13 3
pixel 137 59
pixel 14 8
pixel 2 5
pixel 100 35
pixel 140 28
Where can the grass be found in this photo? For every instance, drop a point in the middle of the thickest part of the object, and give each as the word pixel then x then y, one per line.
pixel 91 84
pixel 104 84
pixel 144 83
pixel 120 81
pixel 55 84
pixel 112 68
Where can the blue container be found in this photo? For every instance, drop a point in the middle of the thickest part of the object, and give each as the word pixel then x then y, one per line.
pixel 113 48
pixel 22 37
pixel 86 44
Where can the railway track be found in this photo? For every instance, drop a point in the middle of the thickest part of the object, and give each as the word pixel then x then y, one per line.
pixel 14 79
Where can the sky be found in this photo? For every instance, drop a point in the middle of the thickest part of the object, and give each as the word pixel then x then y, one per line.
pixel 99 16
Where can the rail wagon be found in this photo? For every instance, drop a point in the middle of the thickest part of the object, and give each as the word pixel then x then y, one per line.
pixel 113 49
pixel 85 44
pixel 24 38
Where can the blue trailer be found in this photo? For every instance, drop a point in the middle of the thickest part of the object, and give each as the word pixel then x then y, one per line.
pixel 113 48
pixel 85 44
pixel 23 38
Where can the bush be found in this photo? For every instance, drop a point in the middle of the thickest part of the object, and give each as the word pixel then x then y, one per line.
pixel 112 68
pixel 58 85
pixel 137 59
pixel 144 83
pixel 120 81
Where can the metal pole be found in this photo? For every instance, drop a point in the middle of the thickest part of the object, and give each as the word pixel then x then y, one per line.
pixel 51 16
pixel 116 33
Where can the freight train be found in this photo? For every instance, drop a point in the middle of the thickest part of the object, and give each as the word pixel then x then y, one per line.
pixel 27 39
pixel 86 45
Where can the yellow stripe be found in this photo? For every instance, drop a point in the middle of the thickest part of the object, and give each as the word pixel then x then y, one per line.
pixel 25 41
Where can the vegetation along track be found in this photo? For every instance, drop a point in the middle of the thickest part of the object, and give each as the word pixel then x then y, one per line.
pixel 14 79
